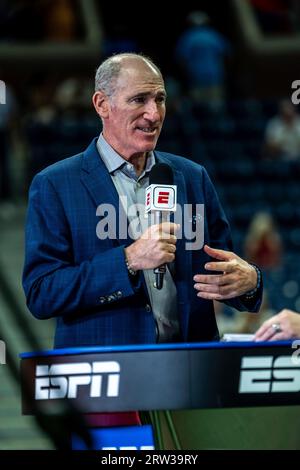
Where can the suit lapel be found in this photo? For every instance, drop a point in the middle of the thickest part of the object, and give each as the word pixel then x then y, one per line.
pixel 97 180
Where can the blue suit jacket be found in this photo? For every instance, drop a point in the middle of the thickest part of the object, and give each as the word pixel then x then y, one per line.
pixel 83 281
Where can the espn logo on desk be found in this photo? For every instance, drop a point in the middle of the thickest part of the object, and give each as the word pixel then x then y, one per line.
pixel 161 198
pixel 63 380
pixel 268 374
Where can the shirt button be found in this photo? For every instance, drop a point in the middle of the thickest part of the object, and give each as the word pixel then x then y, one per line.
pixel 119 294
pixel 147 308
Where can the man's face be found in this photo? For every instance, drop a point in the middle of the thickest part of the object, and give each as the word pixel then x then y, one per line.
pixel 136 110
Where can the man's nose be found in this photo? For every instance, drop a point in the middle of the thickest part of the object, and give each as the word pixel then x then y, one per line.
pixel 151 111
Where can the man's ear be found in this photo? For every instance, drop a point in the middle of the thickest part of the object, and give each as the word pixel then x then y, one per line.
pixel 101 104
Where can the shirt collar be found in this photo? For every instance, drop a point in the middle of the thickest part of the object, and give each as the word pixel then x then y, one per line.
pixel 113 161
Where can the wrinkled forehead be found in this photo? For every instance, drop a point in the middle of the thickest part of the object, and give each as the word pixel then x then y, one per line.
pixel 139 72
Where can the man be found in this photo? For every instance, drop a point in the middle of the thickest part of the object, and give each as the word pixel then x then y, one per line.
pixel 201 52
pixel 101 289
pixel 282 135
pixel 284 325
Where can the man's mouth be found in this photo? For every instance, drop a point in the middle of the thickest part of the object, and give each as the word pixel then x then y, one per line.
pixel 148 130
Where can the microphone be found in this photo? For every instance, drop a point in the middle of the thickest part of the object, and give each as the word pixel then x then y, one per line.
pixel 160 199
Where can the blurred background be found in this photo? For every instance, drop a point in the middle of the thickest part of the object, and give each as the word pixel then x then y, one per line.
pixel 231 71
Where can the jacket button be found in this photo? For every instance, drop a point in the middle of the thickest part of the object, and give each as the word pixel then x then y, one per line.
pixel 119 294
pixel 147 308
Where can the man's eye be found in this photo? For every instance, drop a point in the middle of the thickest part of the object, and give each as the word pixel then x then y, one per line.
pixel 139 99
pixel 161 99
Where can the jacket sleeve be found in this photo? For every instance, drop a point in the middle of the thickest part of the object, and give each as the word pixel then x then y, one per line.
pixel 220 237
pixel 54 285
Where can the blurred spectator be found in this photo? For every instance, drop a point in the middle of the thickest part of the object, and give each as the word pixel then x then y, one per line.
pixel 73 95
pixel 201 51
pixel 263 245
pixel 282 135
pixel 42 108
pixel 60 117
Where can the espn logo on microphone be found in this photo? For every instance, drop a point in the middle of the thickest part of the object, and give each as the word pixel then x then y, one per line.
pixel 161 197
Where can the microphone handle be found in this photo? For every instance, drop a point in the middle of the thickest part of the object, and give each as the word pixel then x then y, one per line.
pixel 160 270
pixel 159 281
pixel 159 276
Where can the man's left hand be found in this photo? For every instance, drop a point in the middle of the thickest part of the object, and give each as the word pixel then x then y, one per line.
pixel 236 278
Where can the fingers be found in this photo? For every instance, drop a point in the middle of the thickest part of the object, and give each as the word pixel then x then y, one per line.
pixel 165 231
pixel 266 332
pixel 214 286
pixel 218 254
pixel 169 248
pixel 269 334
pixel 243 276
pixel 228 261
pixel 218 279
pixel 279 336
pixel 168 227
pixel 167 251
pixel 261 332
pixel 221 266
pixel 216 293
pixel 208 288
pixel 171 239
pixel 265 335
pixel 169 258
pixel 152 249
pixel 210 296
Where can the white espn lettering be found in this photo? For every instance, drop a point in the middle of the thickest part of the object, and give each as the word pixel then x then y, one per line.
pixel 161 197
pixel 264 374
pixel 62 380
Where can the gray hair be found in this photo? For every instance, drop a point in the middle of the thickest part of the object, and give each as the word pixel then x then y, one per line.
pixel 109 71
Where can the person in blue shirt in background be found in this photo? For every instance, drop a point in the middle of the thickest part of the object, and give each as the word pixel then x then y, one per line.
pixel 201 51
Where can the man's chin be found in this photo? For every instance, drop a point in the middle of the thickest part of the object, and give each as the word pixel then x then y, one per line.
pixel 149 146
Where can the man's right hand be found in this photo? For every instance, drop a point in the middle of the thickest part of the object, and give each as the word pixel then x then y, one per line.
pixel 156 246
